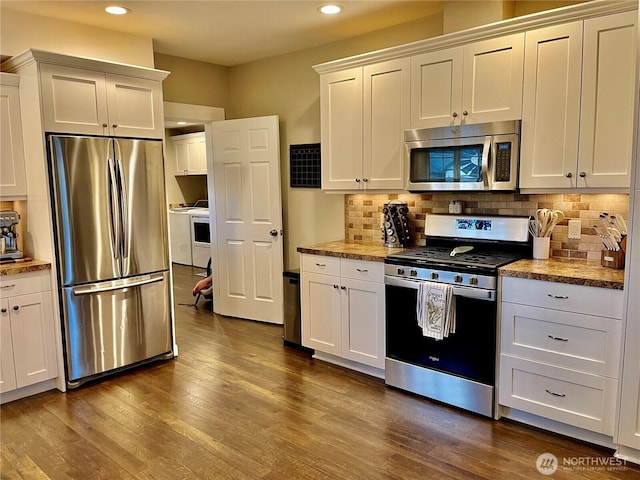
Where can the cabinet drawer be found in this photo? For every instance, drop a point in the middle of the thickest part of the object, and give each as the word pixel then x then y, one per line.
pixel 602 302
pixel 579 399
pixel 321 264
pixel 362 270
pixel 25 283
pixel 565 339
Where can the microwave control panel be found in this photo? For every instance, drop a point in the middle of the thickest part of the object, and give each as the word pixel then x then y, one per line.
pixel 503 162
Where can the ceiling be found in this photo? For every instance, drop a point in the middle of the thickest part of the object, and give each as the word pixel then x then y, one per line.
pixel 234 32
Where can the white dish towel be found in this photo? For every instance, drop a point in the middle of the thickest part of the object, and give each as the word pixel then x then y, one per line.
pixel 436 310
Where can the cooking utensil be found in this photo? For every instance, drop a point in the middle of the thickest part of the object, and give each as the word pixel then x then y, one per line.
pixel 462 249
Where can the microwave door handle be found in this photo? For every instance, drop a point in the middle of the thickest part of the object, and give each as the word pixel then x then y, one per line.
pixel 485 161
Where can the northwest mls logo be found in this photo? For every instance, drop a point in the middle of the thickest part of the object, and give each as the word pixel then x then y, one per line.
pixel 547 464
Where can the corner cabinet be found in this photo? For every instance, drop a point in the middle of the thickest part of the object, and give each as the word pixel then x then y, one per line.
pixel 364 112
pixel 13 182
pixel 475 83
pixel 577 115
pixel 342 303
pixel 190 153
pixel 560 352
pixel 27 333
pixel 86 101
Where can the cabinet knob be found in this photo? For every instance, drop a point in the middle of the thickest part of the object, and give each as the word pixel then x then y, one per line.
pixel 583 174
pixel 114 126
pixel 105 125
pixel 465 113
pixel 335 286
pixel 343 287
pixel 365 180
pixel 357 180
pixel 454 114
pixel 16 307
pixel 3 310
pixel 569 175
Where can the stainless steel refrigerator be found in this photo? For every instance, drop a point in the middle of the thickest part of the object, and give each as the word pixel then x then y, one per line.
pixel 110 226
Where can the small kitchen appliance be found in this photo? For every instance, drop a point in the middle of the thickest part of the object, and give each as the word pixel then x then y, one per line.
pixel 465 157
pixel 9 219
pixel 464 252
pixel 395 228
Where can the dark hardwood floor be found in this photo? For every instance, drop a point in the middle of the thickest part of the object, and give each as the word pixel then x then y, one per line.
pixel 237 404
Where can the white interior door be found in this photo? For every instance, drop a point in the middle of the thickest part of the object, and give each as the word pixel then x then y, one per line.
pixel 247 245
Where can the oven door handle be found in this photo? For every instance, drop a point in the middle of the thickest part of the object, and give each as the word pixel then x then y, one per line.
pixel 467 292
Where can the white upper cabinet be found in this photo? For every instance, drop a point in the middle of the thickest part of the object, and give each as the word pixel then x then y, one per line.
pixel 577 115
pixel 13 182
pixel 364 112
pixel 607 108
pixel 387 106
pixel 551 106
pixel 341 129
pixel 190 152
pixel 84 101
pixel 475 83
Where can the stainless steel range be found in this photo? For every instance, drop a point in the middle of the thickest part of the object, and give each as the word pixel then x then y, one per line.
pixel 464 253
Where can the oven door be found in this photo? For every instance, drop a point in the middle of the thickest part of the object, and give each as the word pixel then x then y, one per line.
pixel 469 353
pixel 200 233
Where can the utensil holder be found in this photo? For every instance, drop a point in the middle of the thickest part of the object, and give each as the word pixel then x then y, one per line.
pixel 612 258
pixel 541 247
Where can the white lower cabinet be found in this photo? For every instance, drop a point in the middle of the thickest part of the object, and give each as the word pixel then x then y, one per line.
pixel 559 352
pixel 27 342
pixel 343 311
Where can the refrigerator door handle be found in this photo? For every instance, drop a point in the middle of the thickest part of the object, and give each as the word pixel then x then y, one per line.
pixel 118 284
pixel 116 232
pixel 122 200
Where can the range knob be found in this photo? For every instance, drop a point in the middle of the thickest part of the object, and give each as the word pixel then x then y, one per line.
pixel 457 278
pixel 413 273
pixel 473 280
pixel 400 271
pixel 434 275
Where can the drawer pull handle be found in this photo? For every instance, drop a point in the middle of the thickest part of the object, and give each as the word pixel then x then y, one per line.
pixel 560 339
pixel 362 270
pixel 6 287
pixel 561 395
pixel 561 297
pixel 321 265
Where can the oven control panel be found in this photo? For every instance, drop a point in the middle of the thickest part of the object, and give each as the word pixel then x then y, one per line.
pixel 487 282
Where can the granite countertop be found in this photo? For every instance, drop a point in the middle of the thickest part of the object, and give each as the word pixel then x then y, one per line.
pixel 23 266
pixel 562 270
pixel 369 251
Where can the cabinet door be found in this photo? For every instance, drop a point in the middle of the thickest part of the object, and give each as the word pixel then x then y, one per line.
pixel 73 100
pixel 32 332
pixel 492 79
pixel 181 153
pixel 135 107
pixel 341 129
pixel 436 88
pixel 551 106
pixel 7 365
pixel 386 117
pixel 196 151
pixel 180 229
pixel 13 181
pixel 321 314
pixel 363 322
pixel 608 85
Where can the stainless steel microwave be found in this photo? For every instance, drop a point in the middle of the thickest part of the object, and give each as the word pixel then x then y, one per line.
pixel 466 157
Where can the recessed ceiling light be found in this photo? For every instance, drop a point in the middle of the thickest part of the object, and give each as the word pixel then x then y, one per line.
pixel 330 9
pixel 116 10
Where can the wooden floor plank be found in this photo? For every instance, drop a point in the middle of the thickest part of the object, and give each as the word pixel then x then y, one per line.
pixel 238 404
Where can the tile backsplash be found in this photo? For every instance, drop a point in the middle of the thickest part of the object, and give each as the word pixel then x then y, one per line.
pixel 363 214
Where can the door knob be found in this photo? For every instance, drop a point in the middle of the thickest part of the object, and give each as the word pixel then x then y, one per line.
pixel 273 233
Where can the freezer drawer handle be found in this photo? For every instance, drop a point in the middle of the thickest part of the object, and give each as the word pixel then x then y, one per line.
pixel 560 297
pixel 117 286
pixel 560 339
